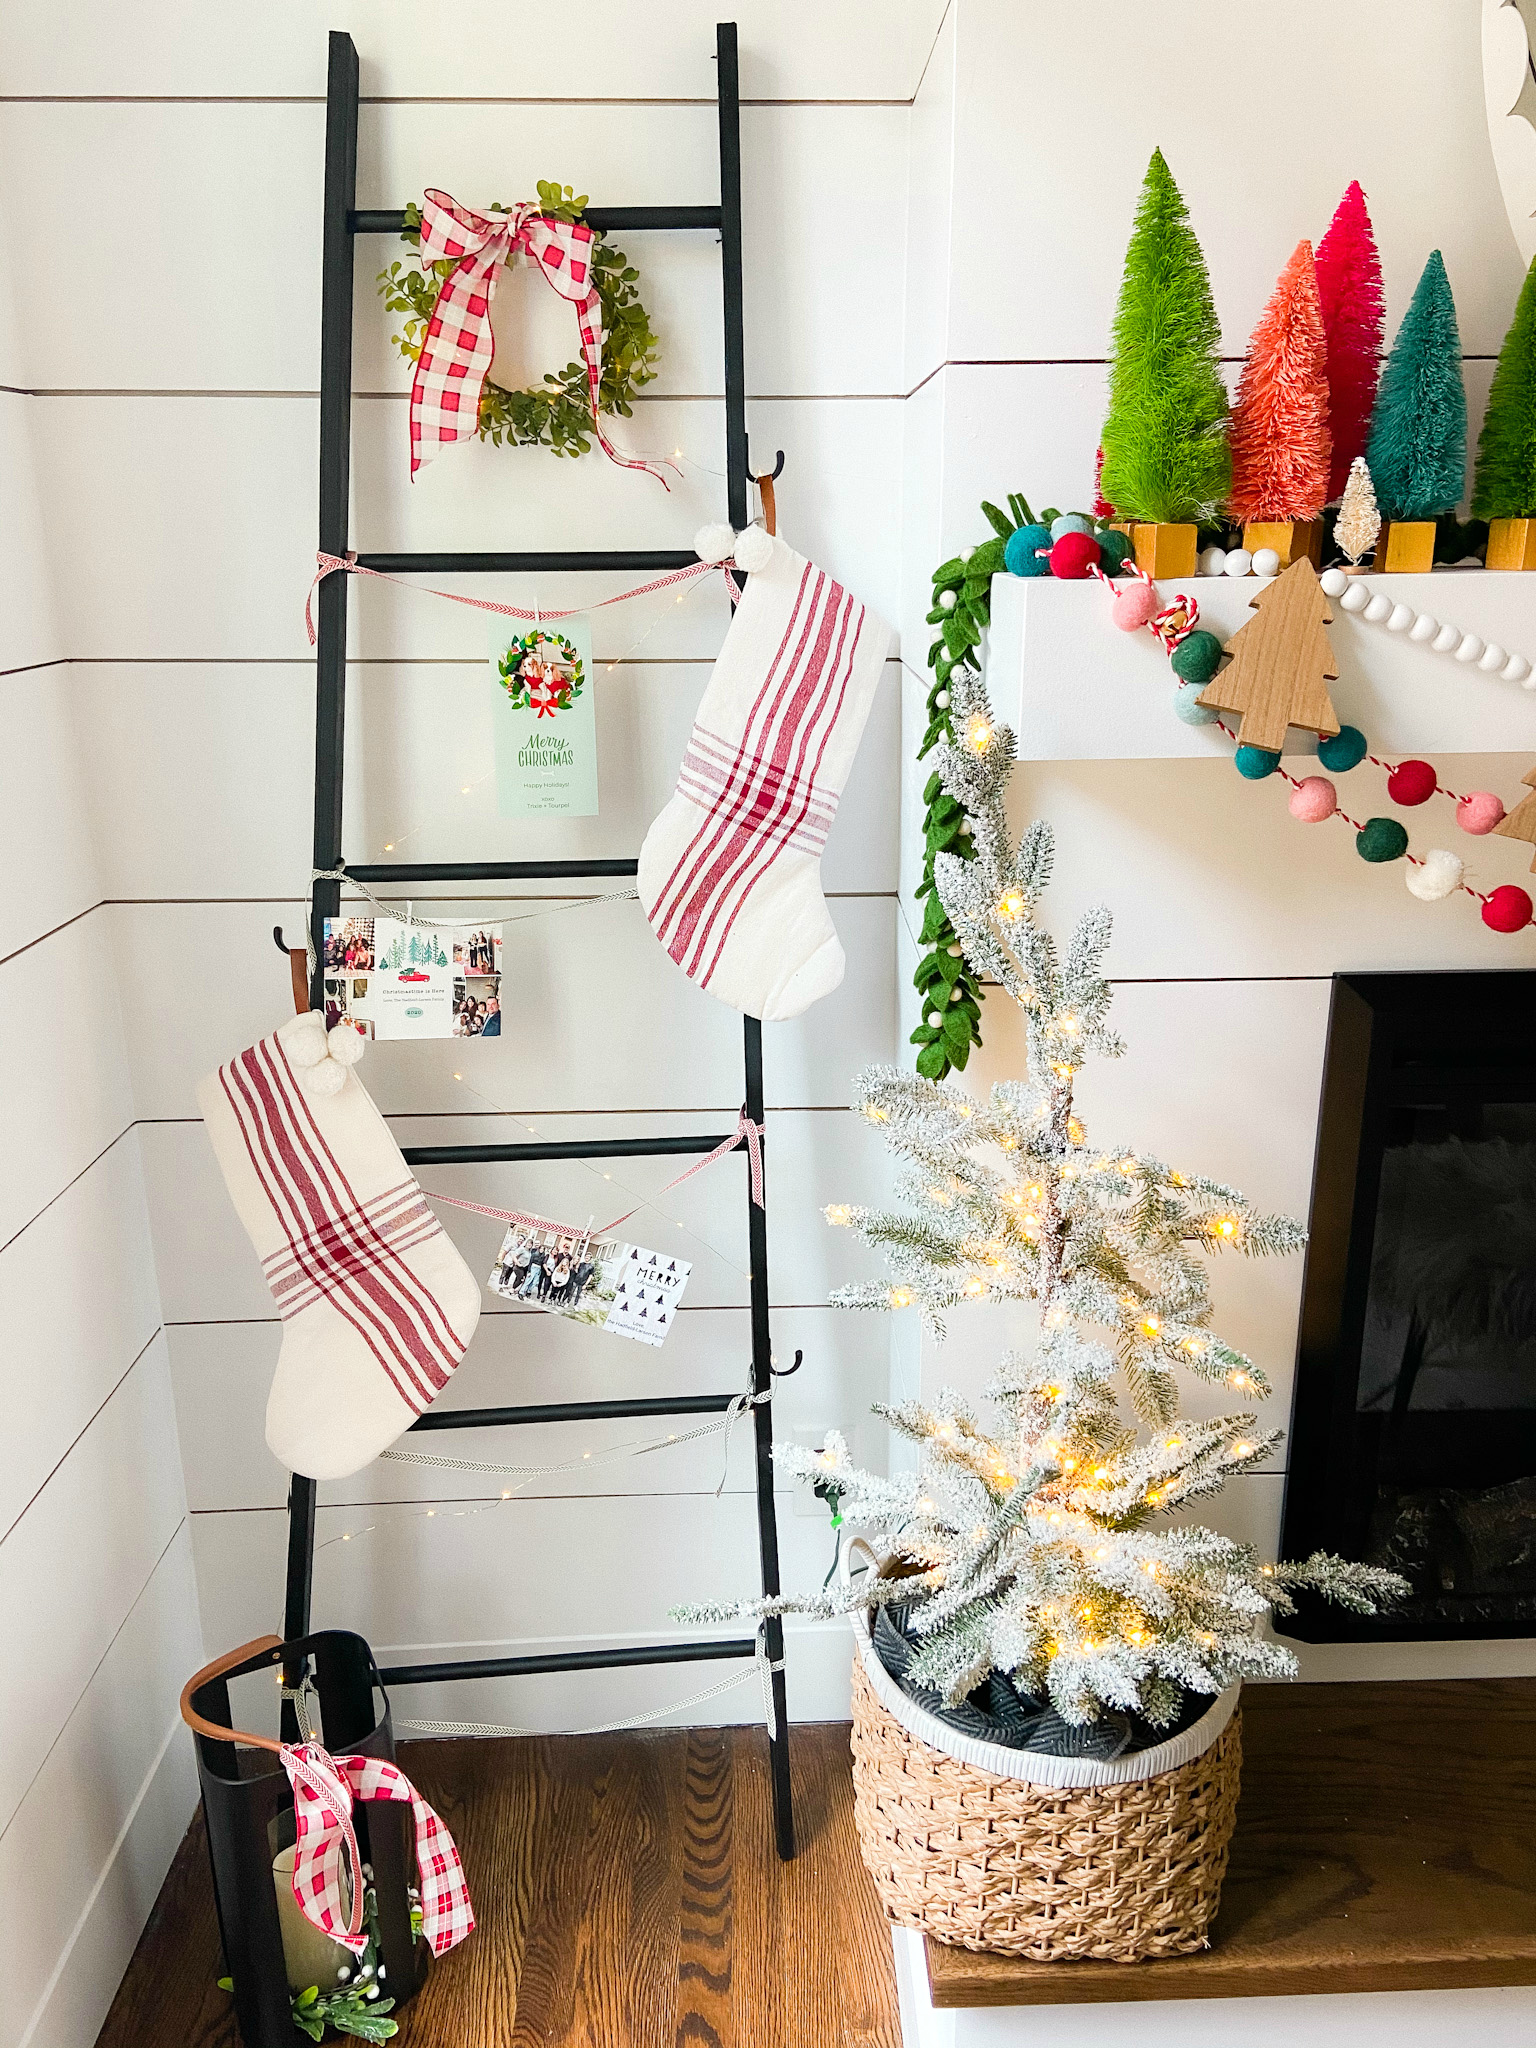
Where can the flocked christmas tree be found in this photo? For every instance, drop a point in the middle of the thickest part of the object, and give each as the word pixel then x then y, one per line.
pixel 1041 1548
pixel 1350 297
pixel 1165 437
pixel 1418 447
pixel 1280 439
pixel 1358 526
pixel 1504 481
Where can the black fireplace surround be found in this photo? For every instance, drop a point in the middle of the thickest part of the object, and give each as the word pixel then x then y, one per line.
pixel 1413 1430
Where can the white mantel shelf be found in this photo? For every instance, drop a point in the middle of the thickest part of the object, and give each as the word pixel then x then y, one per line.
pixel 1076 688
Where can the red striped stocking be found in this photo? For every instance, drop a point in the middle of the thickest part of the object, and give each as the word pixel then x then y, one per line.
pixel 377 1304
pixel 730 873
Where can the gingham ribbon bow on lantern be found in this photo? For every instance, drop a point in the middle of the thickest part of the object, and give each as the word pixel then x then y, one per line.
pixel 324 1787
pixel 457 348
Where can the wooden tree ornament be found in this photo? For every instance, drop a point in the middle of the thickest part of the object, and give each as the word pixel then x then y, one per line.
pixel 1281 664
pixel 1521 822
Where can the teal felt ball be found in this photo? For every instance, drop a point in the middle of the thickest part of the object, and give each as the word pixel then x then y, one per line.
pixel 1116 549
pixel 1344 751
pixel 1021 556
pixel 1381 839
pixel 1196 658
pixel 1187 705
pixel 1254 763
pixel 1070 522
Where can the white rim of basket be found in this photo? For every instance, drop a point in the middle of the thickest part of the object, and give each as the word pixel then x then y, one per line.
pixel 995 1758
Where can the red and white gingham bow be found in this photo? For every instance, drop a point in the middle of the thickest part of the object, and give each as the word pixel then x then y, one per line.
pixel 324 1787
pixel 457 349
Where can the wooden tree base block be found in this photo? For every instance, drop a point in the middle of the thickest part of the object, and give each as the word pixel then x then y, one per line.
pixel 1511 544
pixel 1406 547
pixel 1166 551
pixel 1290 539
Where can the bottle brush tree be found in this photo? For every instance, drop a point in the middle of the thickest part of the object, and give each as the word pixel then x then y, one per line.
pixel 1418 446
pixel 1280 440
pixel 1043 1546
pixel 1349 293
pixel 1504 481
pixel 1165 436
pixel 1358 526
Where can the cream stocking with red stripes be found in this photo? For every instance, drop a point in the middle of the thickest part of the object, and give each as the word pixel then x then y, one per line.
pixel 377 1304
pixel 730 873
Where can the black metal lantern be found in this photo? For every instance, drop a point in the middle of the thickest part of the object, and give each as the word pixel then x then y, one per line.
pixel 248 1810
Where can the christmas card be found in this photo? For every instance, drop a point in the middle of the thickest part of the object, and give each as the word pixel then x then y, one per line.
pixel 389 979
pixel 545 726
pixel 621 1288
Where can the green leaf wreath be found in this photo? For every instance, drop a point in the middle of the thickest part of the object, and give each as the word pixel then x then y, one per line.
pixel 557 413
pixel 510 668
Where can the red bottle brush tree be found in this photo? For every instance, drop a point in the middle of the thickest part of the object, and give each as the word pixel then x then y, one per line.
pixel 1349 292
pixel 1280 439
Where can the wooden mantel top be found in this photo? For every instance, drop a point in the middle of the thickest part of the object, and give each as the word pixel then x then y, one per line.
pixel 1386 1841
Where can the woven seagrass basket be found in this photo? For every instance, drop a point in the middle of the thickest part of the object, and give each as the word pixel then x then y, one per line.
pixel 1052 1858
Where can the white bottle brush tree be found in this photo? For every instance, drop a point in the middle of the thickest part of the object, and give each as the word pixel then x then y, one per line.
pixel 1041 1548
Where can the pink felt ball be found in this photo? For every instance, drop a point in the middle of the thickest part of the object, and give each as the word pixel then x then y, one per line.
pixel 1074 555
pixel 1508 909
pixel 1132 608
pixel 1314 800
pixel 1479 812
pixel 1412 782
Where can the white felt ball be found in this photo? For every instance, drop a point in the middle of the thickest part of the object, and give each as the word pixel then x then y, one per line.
pixel 1423 628
pixel 942 700
pixel 1266 562
pixel 953 952
pixel 934 1020
pixel 1212 561
pixel 1493 658
pixel 956 993
pixel 965 828
pixel 714 543
pixel 345 1044
pixel 1517 669
pixel 946 600
pixel 304 1039
pixel 1333 582
pixel 1401 618
pixel 966 554
pixel 326 1078
pixel 754 550
pixel 1446 639
pixel 1439 875
pixel 1356 598
pixel 1470 649
pixel 1238 563
pixel 1379 610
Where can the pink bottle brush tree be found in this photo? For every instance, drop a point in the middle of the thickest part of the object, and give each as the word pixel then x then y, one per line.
pixel 1280 437
pixel 1349 291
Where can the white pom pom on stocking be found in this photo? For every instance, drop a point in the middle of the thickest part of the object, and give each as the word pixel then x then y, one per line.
pixel 377 1304
pixel 730 873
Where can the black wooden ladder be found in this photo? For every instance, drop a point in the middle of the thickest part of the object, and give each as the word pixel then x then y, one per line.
pixel 343 222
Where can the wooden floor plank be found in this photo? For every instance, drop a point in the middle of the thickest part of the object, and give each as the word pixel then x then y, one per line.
pixel 627 1895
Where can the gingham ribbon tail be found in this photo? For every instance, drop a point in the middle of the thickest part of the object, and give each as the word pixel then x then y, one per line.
pixel 324 1789
pixel 457 348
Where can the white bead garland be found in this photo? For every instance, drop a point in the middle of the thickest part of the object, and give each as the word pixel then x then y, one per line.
pixel 1266 562
pixel 1378 609
pixel 1213 561
pixel 1238 563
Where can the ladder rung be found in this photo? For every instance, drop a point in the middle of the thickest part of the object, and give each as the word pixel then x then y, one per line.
pixel 601 1148
pixel 492 870
pixel 544 562
pixel 605 219
pixel 572 1660
pixel 574 1411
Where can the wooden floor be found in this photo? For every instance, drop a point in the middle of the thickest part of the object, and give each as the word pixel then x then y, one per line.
pixel 627 1896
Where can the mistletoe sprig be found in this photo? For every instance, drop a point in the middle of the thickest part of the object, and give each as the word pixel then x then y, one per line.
pixel 556 414
pixel 356 2006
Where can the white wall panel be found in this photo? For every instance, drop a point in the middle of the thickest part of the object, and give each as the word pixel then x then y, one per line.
pixel 1225 95
pixel 205 774
pixel 79 1290
pixel 51 876
pixel 208 1272
pixel 88 1847
pixel 78 1559
pixel 29 633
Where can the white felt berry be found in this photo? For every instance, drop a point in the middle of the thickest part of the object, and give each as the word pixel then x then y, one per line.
pixel 934 1020
pixel 941 701
pixel 714 543
pixel 966 554
pixel 754 550
pixel 946 600
pixel 965 828
pixel 953 952
pixel 955 994
pixel 345 1045
pixel 1440 874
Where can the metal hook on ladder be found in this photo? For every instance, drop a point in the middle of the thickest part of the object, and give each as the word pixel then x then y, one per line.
pixel 765 484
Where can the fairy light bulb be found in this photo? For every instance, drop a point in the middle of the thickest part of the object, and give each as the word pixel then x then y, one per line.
pixel 901 1297
pixel 838 1214
pixel 1226 1226
pixel 1242 1450
pixel 974 1286
pixel 980 735
pixel 1174 1443
pixel 1150 1567
pixel 1150 1325
pixel 1012 906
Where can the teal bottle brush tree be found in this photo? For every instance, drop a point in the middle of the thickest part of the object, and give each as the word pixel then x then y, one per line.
pixel 1504 482
pixel 1418 448
pixel 1166 458
pixel 1042 1545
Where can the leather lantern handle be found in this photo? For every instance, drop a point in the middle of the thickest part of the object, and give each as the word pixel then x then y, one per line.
pixel 216 1669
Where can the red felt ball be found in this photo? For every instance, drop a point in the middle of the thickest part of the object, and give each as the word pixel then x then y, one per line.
pixel 1412 782
pixel 1074 555
pixel 1508 909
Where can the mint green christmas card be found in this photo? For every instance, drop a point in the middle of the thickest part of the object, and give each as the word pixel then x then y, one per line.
pixel 546 727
